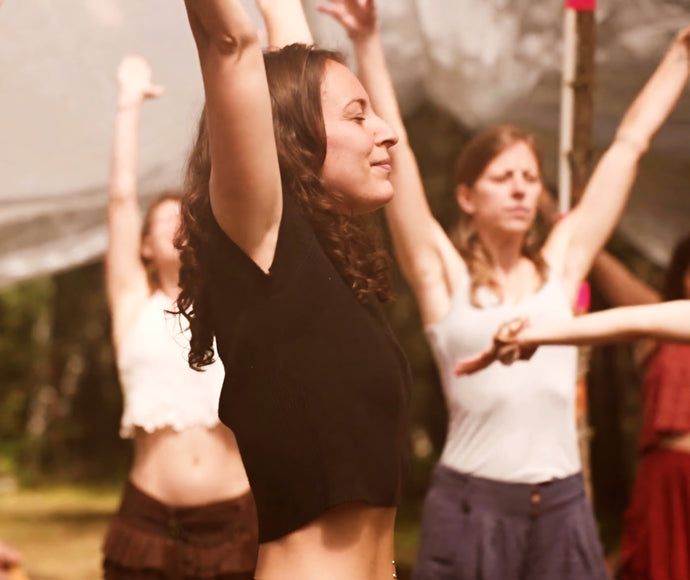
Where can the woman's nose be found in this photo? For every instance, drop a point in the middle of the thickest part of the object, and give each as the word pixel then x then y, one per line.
pixel 518 187
pixel 385 135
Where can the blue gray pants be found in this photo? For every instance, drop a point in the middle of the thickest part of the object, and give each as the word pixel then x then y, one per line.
pixel 480 529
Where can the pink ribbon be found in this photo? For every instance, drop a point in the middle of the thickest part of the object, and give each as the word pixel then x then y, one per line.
pixel 581 4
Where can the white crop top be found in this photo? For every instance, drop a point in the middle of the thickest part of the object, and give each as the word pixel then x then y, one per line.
pixel 159 389
pixel 509 423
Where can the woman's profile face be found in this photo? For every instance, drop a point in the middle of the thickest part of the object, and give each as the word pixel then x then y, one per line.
pixel 357 165
pixel 505 196
pixel 157 245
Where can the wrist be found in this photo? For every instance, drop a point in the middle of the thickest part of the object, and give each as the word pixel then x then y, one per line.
pixel 363 37
pixel 527 339
pixel 127 101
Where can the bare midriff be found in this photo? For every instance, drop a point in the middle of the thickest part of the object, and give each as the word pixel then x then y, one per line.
pixel 196 466
pixel 352 540
pixel 675 441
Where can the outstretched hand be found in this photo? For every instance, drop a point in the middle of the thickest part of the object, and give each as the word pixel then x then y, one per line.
pixel 134 80
pixel 506 348
pixel 357 17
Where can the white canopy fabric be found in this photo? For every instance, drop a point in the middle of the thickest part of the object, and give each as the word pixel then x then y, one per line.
pixel 481 60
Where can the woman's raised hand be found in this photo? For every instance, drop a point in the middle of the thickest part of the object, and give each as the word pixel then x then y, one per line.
pixel 357 17
pixel 506 348
pixel 134 81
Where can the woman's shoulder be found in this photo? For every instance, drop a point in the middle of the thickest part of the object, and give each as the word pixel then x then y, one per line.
pixel 296 239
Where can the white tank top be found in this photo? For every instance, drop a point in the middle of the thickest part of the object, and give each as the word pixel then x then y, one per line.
pixel 509 423
pixel 159 389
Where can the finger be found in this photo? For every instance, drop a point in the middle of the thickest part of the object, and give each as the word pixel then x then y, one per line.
pixel 332 7
pixel 475 364
pixel 155 91
pixel 527 353
pixel 507 355
pixel 517 324
pixel 335 10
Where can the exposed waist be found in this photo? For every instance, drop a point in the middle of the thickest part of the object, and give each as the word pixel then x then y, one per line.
pixel 352 540
pixel 197 465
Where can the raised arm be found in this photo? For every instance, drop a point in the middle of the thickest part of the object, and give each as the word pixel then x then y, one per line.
pixel 245 188
pixel 515 340
pixel 285 22
pixel 579 236
pixel 125 276
pixel 426 256
pixel 619 285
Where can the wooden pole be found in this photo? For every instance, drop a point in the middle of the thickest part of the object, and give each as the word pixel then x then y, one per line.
pixel 575 159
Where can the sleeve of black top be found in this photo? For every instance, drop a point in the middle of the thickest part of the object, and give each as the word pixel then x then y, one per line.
pixel 296 241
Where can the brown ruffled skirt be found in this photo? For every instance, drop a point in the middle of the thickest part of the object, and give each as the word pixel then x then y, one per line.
pixel 149 540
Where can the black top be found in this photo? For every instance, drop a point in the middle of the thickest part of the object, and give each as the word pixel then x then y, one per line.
pixel 316 385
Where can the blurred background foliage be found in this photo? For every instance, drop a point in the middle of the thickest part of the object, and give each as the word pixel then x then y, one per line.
pixel 60 402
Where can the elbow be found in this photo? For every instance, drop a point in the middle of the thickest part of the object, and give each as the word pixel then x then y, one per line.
pixel 631 144
pixel 233 44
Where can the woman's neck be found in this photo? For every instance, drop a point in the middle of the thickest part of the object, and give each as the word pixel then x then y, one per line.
pixel 169 282
pixel 505 252
pixel 515 274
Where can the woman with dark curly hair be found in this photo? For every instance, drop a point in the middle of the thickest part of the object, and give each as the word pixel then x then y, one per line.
pixel 186 510
pixel 281 264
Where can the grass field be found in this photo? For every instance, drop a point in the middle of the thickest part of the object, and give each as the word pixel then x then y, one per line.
pixel 59 530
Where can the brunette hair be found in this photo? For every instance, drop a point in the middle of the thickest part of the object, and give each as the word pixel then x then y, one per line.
pixel 474 159
pixel 353 244
pixel 674 288
pixel 167 195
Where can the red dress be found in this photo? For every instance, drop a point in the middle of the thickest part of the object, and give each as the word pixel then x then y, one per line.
pixel 656 538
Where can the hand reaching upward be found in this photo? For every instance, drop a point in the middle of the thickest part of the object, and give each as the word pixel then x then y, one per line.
pixel 134 81
pixel 357 17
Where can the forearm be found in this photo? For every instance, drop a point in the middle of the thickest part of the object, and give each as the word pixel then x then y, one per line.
pixel 123 168
pixel 667 321
pixel 285 22
pixel 656 100
pixel 619 286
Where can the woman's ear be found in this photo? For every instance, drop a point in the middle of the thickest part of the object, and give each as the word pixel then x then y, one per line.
pixel 463 195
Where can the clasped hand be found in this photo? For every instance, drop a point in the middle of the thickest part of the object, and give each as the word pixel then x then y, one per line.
pixel 506 348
